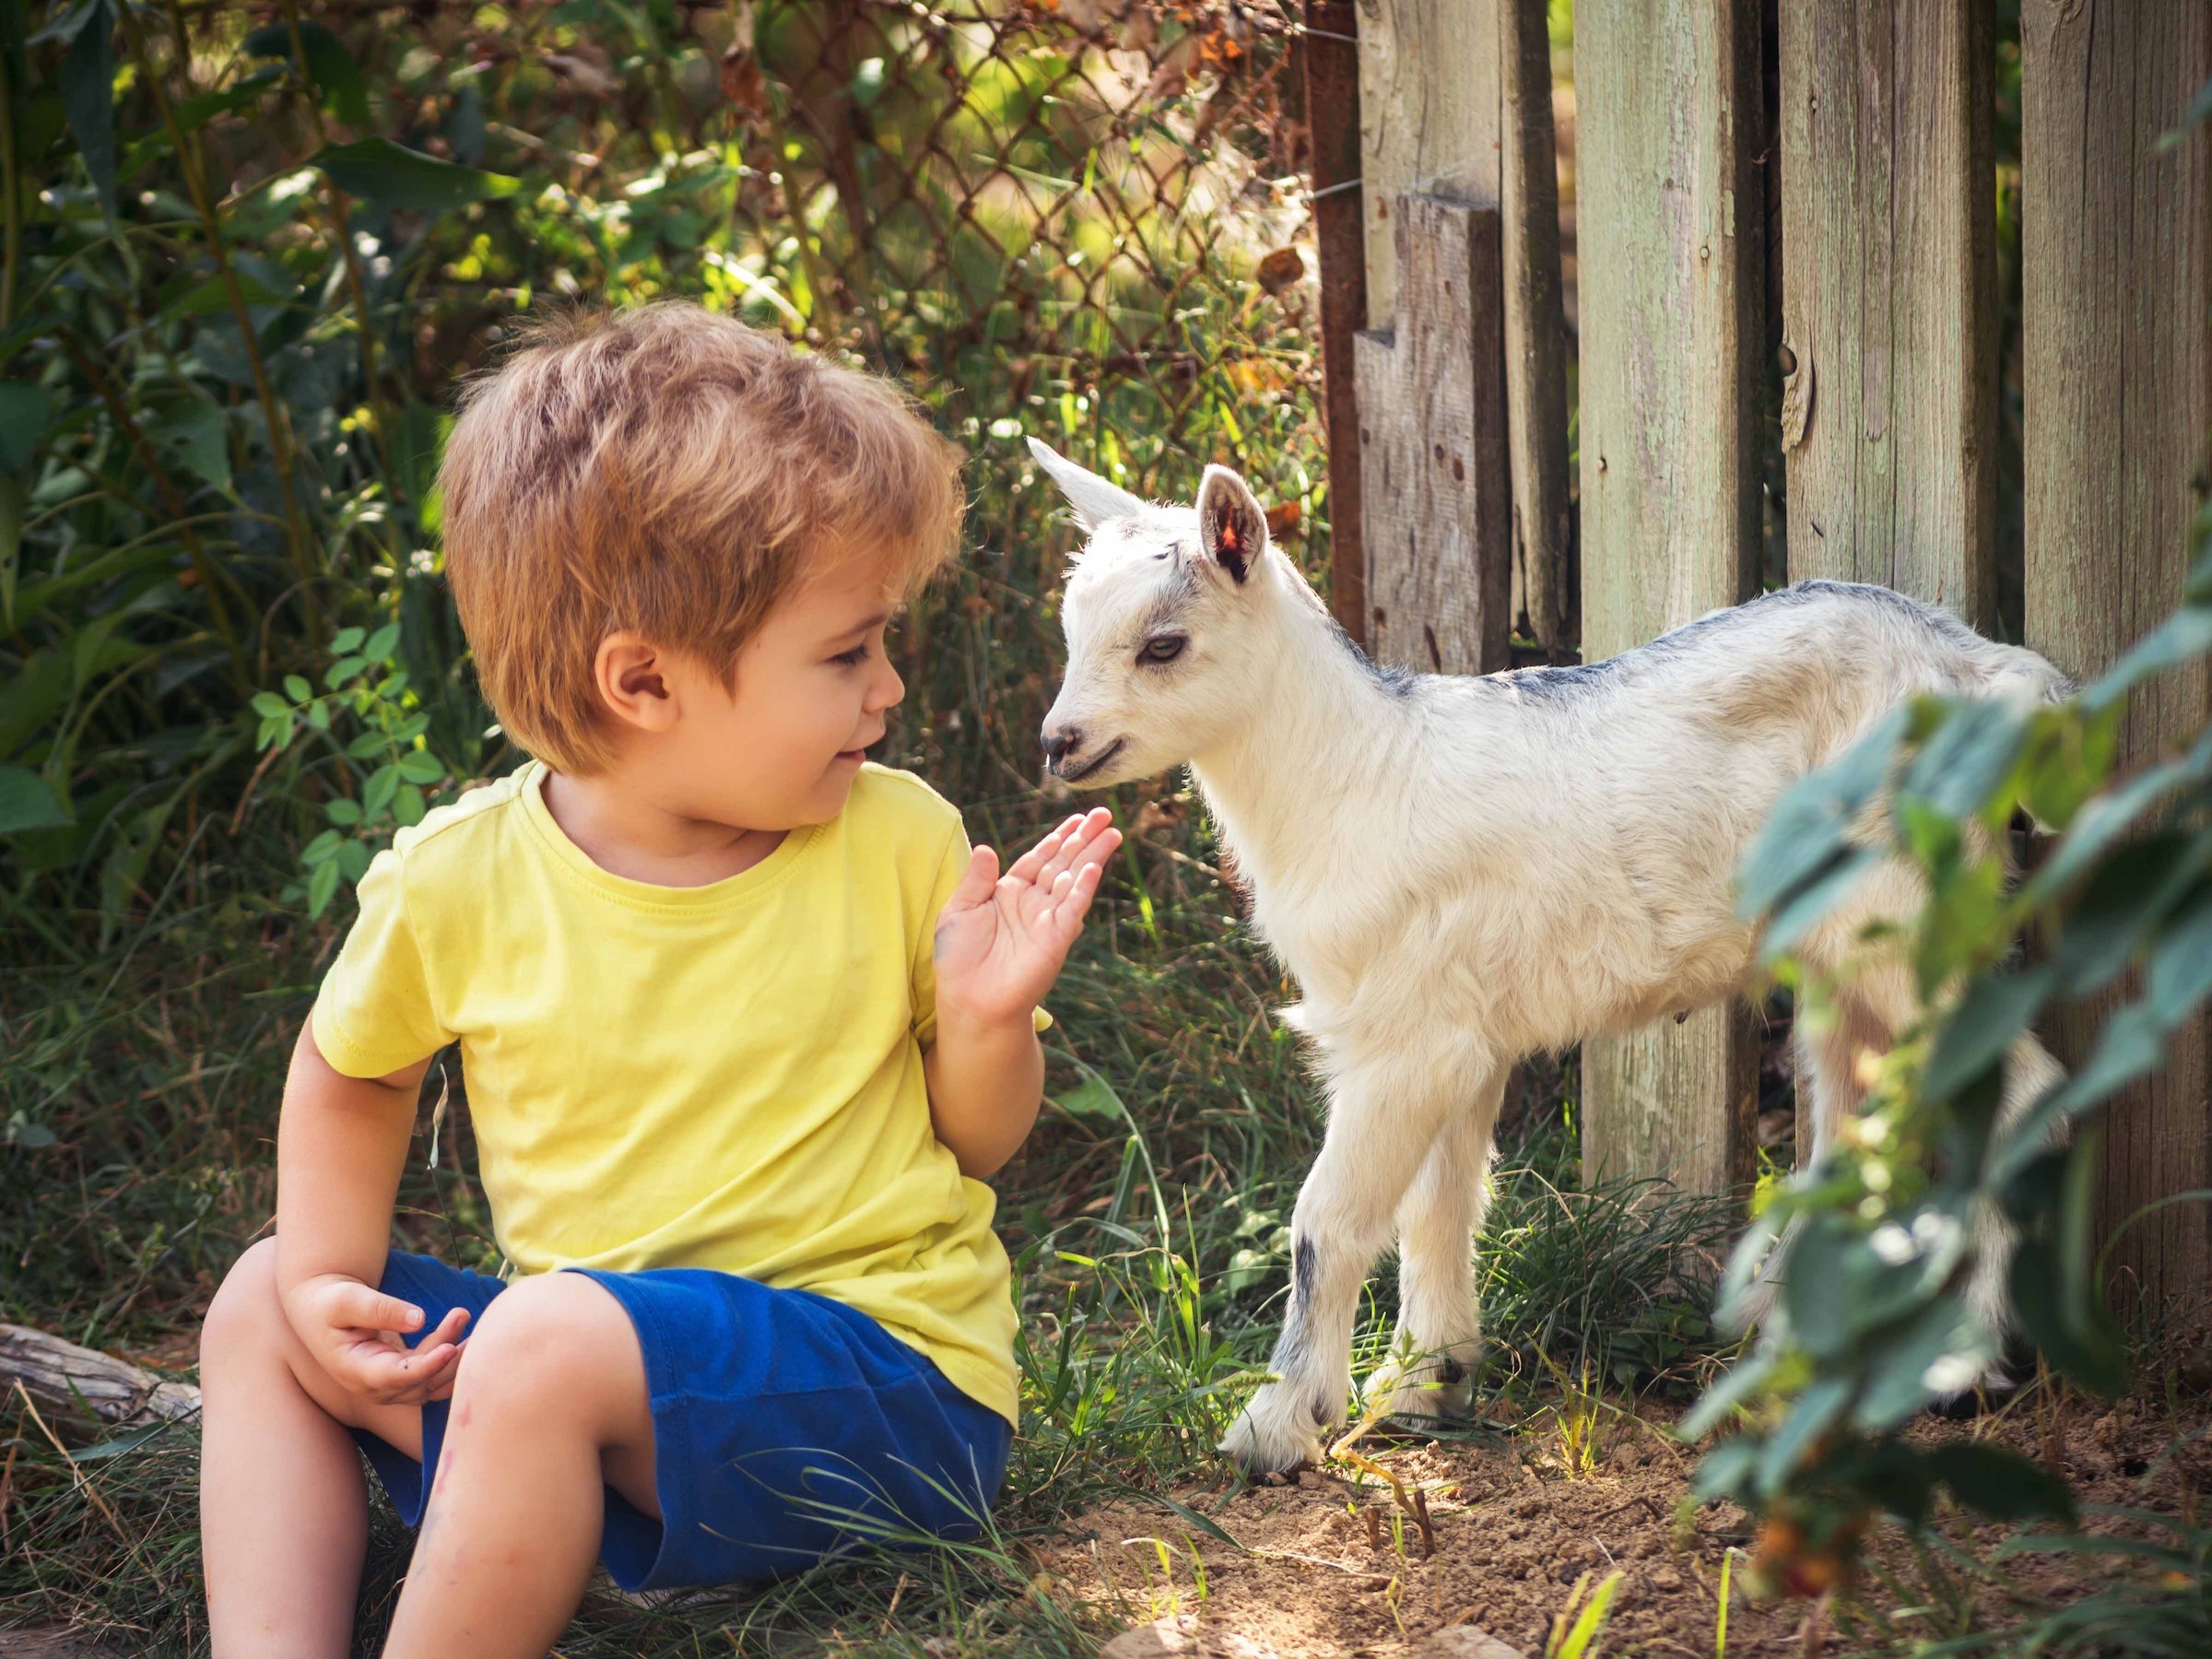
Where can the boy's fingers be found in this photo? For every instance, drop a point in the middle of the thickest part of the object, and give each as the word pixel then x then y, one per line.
pixel 982 874
pixel 1025 868
pixel 1082 832
pixel 1069 911
pixel 374 1311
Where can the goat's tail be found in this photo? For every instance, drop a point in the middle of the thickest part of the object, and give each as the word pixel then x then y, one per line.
pixel 2013 673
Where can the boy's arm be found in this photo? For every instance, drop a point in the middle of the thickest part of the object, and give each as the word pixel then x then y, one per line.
pixel 341 1144
pixel 998 946
pixel 986 1081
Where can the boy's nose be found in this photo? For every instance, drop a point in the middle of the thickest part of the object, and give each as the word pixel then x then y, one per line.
pixel 1061 743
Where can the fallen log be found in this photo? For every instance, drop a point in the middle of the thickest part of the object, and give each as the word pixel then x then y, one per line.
pixel 66 1380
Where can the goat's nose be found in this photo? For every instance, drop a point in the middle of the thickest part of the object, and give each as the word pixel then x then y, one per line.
pixel 1059 745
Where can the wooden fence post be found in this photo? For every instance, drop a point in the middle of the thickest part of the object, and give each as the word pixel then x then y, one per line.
pixel 2116 278
pixel 1432 472
pixel 1890 298
pixel 1454 108
pixel 1545 592
pixel 1672 230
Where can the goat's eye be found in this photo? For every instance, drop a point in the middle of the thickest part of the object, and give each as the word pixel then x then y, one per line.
pixel 1166 648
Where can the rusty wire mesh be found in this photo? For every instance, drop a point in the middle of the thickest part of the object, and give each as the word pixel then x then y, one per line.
pixel 1078 219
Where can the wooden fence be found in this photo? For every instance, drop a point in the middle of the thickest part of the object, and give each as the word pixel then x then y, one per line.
pixel 1867 147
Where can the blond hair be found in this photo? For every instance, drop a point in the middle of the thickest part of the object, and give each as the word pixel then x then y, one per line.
pixel 673 473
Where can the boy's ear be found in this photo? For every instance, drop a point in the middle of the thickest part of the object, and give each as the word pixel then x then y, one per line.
pixel 1094 498
pixel 1231 528
pixel 630 676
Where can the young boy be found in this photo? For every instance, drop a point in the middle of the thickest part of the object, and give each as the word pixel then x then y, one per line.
pixel 743 1018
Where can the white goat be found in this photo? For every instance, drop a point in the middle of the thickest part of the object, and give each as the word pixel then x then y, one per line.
pixel 1465 871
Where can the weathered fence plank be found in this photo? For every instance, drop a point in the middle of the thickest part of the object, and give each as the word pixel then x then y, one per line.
pixel 1536 333
pixel 1428 112
pixel 1890 306
pixel 2116 250
pixel 1433 447
pixel 1672 269
pixel 1332 54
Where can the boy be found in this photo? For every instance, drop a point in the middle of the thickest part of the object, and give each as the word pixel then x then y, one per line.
pixel 743 1020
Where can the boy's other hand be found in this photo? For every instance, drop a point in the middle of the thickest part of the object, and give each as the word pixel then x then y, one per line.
pixel 1001 939
pixel 354 1334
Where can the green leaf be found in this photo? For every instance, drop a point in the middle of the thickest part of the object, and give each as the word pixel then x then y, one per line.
pixel 339 671
pixel 322 849
pixel 368 744
pixel 2000 1484
pixel 2077 1340
pixel 1810 824
pixel 1745 1377
pixel 297 688
pixel 1815 899
pixel 11 544
pixel 384 784
pixel 1726 1468
pixel 346 639
pixel 318 714
pixel 384 171
pixel 2115 914
pixel 353 860
pixel 25 410
pixel 270 706
pixel 197 431
pixel 1965 761
pixel 2181 966
pixel 1979 1030
pixel 1899 1367
pixel 329 66
pixel 343 811
pixel 88 94
pixel 322 886
pixel 418 767
pixel 1810 1416
pixel 2107 819
pixel 383 643
pixel 408 806
pixel 26 803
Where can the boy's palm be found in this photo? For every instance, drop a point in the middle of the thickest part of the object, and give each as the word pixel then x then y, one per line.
pixel 1001 939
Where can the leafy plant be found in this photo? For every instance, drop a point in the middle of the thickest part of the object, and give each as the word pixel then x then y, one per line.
pixel 1872 1326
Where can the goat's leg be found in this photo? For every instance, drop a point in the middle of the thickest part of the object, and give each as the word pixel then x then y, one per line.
pixel 1429 1373
pixel 1383 1117
pixel 1828 1087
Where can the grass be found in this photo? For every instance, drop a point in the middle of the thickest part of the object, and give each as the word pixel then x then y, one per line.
pixel 1146 1219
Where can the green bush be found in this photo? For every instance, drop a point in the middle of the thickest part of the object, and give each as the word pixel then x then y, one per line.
pixel 1872 1326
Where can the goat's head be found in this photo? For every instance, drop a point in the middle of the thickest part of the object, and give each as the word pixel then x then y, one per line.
pixel 1165 622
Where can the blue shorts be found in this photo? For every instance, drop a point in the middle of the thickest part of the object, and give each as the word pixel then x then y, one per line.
pixel 786 1427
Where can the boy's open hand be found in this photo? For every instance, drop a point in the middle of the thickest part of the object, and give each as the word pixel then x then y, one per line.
pixel 1001 938
pixel 354 1333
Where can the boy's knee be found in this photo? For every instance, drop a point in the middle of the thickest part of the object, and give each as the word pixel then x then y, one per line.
pixel 245 1314
pixel 543 1340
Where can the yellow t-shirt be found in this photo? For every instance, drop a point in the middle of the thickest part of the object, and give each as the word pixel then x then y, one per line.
pixel 725 1077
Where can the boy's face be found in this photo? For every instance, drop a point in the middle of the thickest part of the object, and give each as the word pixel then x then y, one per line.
pixel 812 689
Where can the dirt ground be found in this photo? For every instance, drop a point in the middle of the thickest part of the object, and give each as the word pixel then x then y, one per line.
pixel 1516 1522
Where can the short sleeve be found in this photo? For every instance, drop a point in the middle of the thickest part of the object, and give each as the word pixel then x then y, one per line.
pixel 375 1013
pixel 952 863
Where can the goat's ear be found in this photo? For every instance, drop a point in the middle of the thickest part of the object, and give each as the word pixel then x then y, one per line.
pixel 1231 528
pixel 1094 500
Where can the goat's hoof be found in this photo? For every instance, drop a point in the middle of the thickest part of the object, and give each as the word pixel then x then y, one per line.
pixel 1272 1435
pixel 1988 1392
pixel 1435 1387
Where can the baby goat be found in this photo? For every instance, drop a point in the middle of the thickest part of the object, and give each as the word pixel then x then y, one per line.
pixel 1463 871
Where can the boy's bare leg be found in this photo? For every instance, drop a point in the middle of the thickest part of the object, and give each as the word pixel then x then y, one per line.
pixel 284 1510
pixel 551 1405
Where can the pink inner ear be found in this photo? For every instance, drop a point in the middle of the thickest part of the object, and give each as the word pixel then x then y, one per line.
pixel 1226 533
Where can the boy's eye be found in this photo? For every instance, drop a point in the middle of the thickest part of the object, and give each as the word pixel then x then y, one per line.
pixel 852 658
